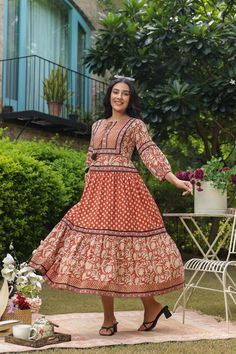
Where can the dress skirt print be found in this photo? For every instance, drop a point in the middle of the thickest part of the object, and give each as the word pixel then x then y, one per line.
pixel 113 242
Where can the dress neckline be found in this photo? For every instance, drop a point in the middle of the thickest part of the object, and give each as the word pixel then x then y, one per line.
pixel 118 121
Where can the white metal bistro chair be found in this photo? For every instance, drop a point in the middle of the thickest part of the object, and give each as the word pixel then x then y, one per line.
pixel 219 268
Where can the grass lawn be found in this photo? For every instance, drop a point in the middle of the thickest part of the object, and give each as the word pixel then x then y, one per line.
pixel 60 301
pixel 200 347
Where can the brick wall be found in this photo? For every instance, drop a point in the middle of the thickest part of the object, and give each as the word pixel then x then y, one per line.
pixel 90 9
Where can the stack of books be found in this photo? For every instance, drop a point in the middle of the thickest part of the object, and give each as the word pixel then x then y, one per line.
pixel 6 327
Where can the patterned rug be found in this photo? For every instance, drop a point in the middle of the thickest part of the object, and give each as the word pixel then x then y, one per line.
pixel 84 330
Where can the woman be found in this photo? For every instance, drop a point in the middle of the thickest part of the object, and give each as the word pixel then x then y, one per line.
pixel 113 243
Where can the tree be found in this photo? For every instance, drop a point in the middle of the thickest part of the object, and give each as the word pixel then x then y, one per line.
pixel 183 56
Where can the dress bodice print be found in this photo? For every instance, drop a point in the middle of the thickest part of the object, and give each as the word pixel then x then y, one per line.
pixel 113 143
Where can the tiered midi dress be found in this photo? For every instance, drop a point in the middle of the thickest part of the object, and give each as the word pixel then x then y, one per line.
pixel 113 242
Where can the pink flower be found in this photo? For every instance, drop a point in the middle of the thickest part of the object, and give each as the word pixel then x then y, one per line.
pixel 191 175
pixel 35 304
pixel 233 178
pixel 226 168
pixel 183 175
pixel 199 173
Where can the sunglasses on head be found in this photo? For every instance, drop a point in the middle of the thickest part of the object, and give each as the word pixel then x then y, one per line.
pixel 124 77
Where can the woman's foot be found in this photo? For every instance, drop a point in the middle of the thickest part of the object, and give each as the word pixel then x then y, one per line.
pixel 109 326
pixel 150 321
pixel 108 329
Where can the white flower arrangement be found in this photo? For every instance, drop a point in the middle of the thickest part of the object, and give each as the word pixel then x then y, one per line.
pixel 24 284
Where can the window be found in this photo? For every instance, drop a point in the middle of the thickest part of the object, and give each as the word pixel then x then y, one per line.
pixel 47 33
pixel 38 34
pixel 11 67
pixel 47 37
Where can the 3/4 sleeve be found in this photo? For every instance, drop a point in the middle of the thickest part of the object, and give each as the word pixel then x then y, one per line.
pixel 151 155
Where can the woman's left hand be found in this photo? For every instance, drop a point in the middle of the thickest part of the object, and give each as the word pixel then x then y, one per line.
pixel 186 185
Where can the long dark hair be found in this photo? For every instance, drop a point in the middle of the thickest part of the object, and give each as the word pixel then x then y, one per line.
pixel 133 109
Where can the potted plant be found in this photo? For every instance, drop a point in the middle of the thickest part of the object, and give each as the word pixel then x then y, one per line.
pixel 55 90
pixel 210 185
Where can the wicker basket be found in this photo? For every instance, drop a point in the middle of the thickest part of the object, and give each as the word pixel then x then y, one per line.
pixel 24 316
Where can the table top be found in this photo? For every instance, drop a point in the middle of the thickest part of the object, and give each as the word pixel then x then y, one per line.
pixel 187 215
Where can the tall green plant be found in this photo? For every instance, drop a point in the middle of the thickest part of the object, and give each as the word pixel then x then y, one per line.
pixel 55 88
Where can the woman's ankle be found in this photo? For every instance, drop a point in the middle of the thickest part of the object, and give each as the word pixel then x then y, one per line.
pixel 109 320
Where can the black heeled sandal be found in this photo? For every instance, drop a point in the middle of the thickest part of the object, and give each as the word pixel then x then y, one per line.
pixel 165 311
pixel 112 330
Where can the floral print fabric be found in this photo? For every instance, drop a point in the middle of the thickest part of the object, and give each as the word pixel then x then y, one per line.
pixel 113 242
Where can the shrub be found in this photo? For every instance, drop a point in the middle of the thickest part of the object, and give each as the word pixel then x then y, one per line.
pixel 65 161
pixel 39 181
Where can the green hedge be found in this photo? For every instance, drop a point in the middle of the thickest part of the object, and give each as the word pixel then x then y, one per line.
pixel 39 181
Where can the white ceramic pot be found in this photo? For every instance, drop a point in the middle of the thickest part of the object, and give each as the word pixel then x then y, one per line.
pixel 209 201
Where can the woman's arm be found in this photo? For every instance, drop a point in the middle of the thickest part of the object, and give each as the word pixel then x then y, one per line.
pixel 186 185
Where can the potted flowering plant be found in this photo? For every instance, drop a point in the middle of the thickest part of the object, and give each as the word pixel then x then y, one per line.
pixel 24 287
pixel 210 182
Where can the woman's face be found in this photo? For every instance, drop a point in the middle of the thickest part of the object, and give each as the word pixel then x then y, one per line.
pixel 120 96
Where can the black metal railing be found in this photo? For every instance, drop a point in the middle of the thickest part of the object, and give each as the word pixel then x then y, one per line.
pixel 32 83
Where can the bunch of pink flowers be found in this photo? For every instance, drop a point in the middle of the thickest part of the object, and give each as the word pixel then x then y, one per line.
pixel 213 171
pixel 21 302
pixel 193 176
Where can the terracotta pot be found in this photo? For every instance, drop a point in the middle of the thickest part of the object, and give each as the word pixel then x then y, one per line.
pixel 54 108
pixel 209 201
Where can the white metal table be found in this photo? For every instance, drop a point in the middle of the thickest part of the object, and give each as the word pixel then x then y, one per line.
pixel 191 222
pixel 193 228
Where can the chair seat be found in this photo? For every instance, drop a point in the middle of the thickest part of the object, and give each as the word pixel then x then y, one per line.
pixel 208 265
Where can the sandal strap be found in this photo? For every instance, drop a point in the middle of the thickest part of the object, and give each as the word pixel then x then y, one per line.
pixel 145 323
pixel 104 327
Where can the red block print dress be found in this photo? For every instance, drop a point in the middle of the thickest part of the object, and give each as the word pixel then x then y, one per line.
pixel 113 242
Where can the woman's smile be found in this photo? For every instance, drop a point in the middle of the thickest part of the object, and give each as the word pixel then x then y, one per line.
pixel 120 96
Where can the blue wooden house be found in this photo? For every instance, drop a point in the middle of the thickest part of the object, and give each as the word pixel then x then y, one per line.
pixel 44 42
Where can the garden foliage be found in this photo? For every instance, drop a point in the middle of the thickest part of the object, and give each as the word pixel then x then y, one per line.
pixel 182 55
pixel 39 181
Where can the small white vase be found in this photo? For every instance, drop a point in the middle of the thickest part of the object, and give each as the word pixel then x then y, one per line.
pixel 209 201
